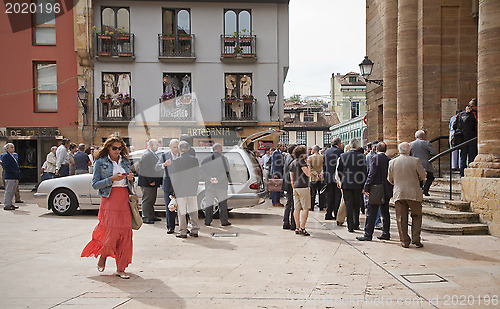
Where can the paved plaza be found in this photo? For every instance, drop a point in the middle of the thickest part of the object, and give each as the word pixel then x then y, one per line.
pixel 264 266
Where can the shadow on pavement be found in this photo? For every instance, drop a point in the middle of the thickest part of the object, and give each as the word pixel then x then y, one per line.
pixel 150 292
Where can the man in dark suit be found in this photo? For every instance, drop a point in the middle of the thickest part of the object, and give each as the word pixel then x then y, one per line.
pixel 376 176
pixel 185 179
pixel 215 173
pixel 12 174
pixel 423 150
pixel 149 181
pixel 330 158
pixel 277 165
pixel 352 174
pixel 165 164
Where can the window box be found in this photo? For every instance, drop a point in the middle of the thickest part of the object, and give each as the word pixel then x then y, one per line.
pixel 230 101
pixel 122 37
pixel 168 38
pixel 248 55
pixel 104 37
pixel 229 55
pixel 185 38
pixel 104 53
pixel 125 54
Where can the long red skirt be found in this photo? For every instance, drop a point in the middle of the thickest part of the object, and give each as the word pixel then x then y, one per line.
pixel 113 234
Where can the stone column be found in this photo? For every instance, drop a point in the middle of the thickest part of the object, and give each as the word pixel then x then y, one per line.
pixel 481 186
pixel 390 74
pixel 407 74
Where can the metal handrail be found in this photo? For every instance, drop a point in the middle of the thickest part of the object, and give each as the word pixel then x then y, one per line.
pixel 439 138
pixel 441 154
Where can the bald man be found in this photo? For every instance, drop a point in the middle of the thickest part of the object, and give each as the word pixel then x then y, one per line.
pixel 149 181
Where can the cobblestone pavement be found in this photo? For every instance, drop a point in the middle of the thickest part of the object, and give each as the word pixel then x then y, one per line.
pixel 263 267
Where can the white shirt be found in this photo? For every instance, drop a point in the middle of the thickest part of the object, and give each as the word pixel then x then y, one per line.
pixel 61 156
pixel 117 168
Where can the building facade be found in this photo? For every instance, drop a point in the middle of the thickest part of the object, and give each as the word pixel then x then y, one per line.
pixel 353 128
pixel 199 68
pixel 38 84
pixel 308 124
pixel 348 95
pixel 434 56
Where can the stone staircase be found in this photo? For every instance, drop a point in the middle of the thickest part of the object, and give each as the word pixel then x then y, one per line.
pixel 445 216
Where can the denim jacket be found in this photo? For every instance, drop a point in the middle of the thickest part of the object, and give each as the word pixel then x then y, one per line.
pixel 103 170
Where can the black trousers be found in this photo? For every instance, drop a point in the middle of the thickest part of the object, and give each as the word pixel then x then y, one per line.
pixel 333 200
pixel 353 201
pixel 316 188
pixel 371 217
pixel 428 181
pixel 289 208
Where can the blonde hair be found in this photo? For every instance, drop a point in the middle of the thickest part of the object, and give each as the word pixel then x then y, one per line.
pixel 104 151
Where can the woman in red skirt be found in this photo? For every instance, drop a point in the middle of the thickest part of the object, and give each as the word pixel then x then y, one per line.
pixel 113 234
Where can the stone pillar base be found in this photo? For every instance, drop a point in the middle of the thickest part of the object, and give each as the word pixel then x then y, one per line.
pixel 484 165
pixel 484 197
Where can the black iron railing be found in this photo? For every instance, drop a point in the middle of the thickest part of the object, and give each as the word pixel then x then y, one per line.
pixel 176 109
pixel 238 110
pixel 238 46
pixel 438 139
pixel 117 44
pixel 115 110
pixel 448 151
pixel 176 46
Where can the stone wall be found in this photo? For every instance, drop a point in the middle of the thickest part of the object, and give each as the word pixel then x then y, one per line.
pixel 484 196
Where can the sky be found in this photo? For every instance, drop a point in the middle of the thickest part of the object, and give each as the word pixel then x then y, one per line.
pixel 326 36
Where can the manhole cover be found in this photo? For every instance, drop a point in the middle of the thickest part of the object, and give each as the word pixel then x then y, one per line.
pixel 225 234
pixel 424 278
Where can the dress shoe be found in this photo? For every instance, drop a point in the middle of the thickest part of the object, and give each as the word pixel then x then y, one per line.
pixel 363 238
pixel 329 218
pixel 147 221
pixel 293 227
pixel 226 224
pixel 350 231
pixel 122 275
pixel 9 208
pixel 427 194
pixel 193 234
pixel 418 244
pixel 405 245
pixel 181 236
pixel 340 223
pixel 156 219
pixel 384 237
pixel 20 202
pixel 207 224
pixel 286 226
pixel 170 231
pixel 312 209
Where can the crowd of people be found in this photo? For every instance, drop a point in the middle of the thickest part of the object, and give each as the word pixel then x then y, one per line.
pixel 346 180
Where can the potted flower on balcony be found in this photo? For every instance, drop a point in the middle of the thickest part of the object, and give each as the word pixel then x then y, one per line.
pixel 247 98
pixel 230 98
pixel 168 37
pixel 185 36
pixel 124 98
pixel 120 34
pixel 105 98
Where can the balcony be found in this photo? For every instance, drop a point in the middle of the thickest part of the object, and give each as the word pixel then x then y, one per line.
pixel 115 47
pixel 177 109
pixel 238 48
pixel 115 112
pixel 238 112
pixel 176 49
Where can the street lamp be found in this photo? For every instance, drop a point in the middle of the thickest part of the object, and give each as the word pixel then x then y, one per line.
pixel 366 70
pixel 271 96
pixel 83 96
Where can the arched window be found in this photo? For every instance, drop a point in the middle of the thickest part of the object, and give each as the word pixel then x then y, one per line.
pixel 115 18
pixel 237 22
pixel 176 22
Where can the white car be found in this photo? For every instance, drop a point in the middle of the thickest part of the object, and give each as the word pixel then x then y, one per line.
pixel 67 194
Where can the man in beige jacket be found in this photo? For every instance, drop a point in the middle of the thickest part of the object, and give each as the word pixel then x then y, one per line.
pixel 405 173
pixel 315 162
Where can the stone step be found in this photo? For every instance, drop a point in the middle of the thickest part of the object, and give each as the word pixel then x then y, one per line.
pixel 450 216
pixel 458 205
pixel 445 181
pixel 438 227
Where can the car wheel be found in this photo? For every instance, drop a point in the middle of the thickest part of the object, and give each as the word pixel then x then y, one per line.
pixel 63 202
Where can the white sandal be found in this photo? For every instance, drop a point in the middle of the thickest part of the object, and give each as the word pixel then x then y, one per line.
pixel 122 275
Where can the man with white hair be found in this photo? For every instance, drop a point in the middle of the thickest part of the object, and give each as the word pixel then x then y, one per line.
pixel 315 162
pixel 215 173
pixel 165 164
pixel 149 181
pixel 405 173
pixel 423 150
pixel 352 173
pixel 12 174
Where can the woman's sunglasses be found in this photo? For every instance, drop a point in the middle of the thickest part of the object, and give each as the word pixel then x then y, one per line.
pixel 116 148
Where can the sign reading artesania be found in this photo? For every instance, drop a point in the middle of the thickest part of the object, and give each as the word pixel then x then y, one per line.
pixel 208 131
pixel 32 132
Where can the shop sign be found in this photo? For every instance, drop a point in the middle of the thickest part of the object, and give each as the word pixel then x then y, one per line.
pixel 31 132
pixel 209 132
